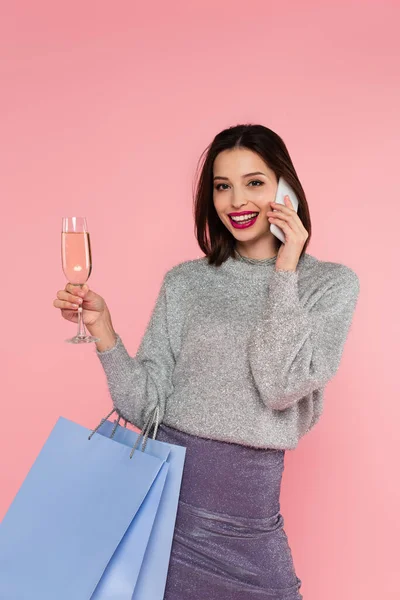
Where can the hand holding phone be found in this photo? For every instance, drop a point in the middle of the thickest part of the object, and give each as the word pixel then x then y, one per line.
pixel 283 189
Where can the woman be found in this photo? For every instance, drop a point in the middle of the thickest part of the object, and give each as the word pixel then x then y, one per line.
pixel 237 352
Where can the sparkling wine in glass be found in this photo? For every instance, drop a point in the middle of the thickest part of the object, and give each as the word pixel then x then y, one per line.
pixel 77 265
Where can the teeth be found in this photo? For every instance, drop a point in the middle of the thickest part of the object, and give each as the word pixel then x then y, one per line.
pixel 245 218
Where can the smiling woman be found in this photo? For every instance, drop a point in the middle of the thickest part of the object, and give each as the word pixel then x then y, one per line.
pixel 237 353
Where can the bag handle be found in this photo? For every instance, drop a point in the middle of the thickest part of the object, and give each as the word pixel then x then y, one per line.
pixel 153 419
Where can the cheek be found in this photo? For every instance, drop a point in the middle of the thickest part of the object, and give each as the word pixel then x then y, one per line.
pixel 263 199
pixel 220 202
pixel 263 195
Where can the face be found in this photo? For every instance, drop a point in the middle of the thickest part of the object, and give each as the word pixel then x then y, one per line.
pixel 243 183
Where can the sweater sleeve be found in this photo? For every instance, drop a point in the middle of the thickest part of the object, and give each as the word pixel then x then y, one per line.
pixel 138 383
pixel 294 351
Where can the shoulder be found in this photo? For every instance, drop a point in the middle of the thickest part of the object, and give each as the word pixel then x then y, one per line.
pixel 186 271
pixel 329 274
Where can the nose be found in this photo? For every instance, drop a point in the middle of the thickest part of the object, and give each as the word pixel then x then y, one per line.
pixel 238 199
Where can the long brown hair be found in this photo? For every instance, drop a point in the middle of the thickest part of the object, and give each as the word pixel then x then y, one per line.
pixel 213 237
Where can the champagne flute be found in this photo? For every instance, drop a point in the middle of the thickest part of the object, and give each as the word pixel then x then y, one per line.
pixel 77 265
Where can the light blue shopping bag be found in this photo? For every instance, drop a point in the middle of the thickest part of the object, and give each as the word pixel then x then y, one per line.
pixel 148 580
pixel 153 573
pixel 71 513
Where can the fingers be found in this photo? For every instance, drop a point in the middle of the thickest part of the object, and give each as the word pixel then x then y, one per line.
pixel 66 300
pixel 281 213
pixel 283 207
pixel 77 290
pixel 64 304
pixel 62 295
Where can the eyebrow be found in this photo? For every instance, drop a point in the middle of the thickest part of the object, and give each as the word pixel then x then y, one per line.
pixel 247 175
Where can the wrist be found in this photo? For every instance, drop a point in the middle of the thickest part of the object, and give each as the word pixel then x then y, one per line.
pixel 103 322
pixel 281 266
pixel 107 338
pixel 104 330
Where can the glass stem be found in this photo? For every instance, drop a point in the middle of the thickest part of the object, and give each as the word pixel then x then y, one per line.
pixel 81 325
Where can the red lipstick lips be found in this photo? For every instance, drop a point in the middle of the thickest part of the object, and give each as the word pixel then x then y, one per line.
pixel 242 224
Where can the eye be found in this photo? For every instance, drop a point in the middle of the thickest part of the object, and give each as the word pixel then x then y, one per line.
pixel 217 187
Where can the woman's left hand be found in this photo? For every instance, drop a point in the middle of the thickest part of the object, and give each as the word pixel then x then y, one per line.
pixel 296 234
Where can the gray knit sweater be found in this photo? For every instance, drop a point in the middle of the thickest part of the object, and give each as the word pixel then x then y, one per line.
pixel 238 353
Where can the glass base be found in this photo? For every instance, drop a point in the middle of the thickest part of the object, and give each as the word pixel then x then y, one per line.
pixel 83 339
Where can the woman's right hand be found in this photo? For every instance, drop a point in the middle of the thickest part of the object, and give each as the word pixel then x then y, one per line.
pixel 94 308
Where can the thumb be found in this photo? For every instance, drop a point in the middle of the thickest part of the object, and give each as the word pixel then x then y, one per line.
pixel 85 288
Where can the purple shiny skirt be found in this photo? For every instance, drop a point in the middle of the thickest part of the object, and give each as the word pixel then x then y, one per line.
pixel 229 542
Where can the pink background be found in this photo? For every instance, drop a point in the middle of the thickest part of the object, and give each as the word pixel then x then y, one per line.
pixel 105 109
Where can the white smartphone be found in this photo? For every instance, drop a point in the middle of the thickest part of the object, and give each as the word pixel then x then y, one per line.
pixel 283 189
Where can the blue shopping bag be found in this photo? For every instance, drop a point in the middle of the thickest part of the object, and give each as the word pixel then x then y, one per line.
pixel 149 582
pixel 71 513
pixel 121 573
pixel 153 573
pixel 120 576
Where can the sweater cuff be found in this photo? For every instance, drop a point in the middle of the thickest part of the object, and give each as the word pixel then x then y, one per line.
pixel 116 360
pixel 283 289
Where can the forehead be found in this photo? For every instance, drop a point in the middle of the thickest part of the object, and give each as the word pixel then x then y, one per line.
pixel 239 161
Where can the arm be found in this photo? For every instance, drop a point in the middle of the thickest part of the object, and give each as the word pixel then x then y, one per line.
pixel 294 351
pixel 137 384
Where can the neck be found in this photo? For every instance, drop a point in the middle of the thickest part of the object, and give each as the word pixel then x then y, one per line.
pixel 257 251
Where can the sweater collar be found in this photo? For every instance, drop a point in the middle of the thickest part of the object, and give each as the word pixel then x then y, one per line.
pixel 255 261
pixel 250 268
